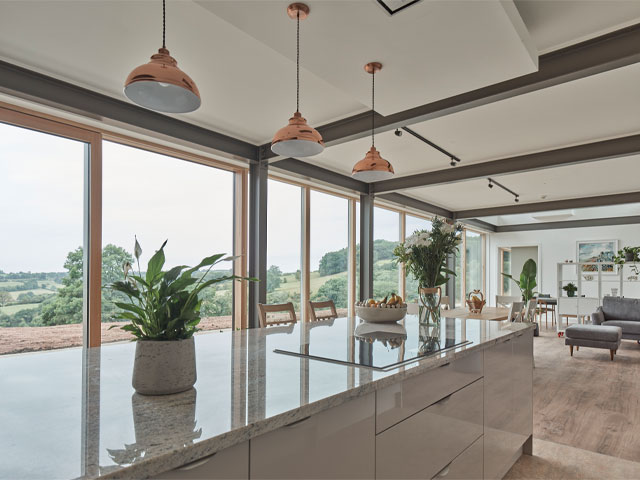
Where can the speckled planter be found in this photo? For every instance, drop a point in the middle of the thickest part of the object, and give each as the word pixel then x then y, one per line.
pixel 164 367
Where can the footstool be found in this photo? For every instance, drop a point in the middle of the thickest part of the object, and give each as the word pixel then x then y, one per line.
pixel 595 336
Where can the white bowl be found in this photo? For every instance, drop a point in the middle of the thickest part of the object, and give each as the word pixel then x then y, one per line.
pixel 381 315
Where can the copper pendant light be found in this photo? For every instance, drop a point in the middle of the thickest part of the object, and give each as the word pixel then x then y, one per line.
pixel 372 167
pixel 160 85
pixel 297 139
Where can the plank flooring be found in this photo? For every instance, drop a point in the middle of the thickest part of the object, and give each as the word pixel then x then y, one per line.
pixel 587 401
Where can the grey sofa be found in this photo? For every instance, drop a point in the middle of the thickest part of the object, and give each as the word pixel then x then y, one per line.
pixel 620 312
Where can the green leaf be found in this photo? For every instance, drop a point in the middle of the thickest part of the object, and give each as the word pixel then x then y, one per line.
pixel 154 267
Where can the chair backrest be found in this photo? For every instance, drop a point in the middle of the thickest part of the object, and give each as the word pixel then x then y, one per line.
pixel 506 300
pixel 515 311
pixel 444 300
pixel 276 308
pixel 531 310
pixel 322 315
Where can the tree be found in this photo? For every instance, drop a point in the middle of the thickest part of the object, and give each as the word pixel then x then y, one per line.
pixel 113 259
pixel 334 262
pixel 335 289
pixel 274 279
pixel 5 298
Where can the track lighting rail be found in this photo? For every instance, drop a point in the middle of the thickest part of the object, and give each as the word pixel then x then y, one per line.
pixel 452 157
pixel 492 182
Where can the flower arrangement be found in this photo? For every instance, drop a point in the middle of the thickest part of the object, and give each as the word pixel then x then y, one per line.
pixel 424 253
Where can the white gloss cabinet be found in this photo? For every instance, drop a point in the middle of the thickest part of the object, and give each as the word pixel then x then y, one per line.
pixel 336 443
pixel 427 442
pixel 231 463
pixel 508 409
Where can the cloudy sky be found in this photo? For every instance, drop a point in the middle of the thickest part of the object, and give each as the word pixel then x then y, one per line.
pixel 152 196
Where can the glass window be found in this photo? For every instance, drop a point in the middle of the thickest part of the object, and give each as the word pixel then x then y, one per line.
pixel 284 227
pixel 329 249
pixel 505 267
pixel 413 224
pixel 386 230
pixel 473 262
pixel 158 198
pixel 41 240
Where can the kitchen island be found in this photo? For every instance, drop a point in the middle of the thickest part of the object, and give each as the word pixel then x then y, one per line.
pixel 464 410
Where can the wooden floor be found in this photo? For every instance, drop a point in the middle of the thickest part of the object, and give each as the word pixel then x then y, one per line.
pixel 587 401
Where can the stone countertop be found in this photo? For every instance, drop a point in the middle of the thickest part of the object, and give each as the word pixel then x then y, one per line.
pixel 72 413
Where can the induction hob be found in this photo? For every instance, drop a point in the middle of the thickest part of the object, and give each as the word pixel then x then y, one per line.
pixel 378 346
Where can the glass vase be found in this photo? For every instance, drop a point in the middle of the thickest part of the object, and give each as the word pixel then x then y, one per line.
pixel 429 307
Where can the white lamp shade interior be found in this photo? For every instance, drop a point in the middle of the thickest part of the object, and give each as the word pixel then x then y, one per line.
pixel 162 97
pixel 372 175
pixel 297 148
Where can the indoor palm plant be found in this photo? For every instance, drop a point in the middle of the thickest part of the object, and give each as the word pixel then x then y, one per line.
pixel 163 310
pixel 571 289
pixel 424 255
pixel 527 281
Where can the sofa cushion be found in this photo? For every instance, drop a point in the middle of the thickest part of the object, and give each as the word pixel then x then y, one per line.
pixel 605 333
pixel 617 308
pixel 626 325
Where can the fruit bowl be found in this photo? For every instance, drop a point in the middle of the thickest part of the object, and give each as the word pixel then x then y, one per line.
pixel 381 315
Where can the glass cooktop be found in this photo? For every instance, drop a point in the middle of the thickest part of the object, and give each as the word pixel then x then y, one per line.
pixel 379 346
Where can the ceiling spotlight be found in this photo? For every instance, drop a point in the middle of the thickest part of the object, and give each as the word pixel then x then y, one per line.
pixel 517 199
pixel 490 184
pixel 398 132
pixel 453 162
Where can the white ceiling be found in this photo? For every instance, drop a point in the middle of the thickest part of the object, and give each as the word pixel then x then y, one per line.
pixel 241 55
pixel 555 24
pixel 625 210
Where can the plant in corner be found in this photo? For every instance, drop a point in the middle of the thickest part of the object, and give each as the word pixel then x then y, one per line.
pixel 527 281
pixel 163 313
pixel 571 289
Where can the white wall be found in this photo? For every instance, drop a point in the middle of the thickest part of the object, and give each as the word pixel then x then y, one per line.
pixel 553 246
pixel 519 255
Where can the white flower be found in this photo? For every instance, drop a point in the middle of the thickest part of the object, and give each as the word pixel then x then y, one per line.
pixel 446 228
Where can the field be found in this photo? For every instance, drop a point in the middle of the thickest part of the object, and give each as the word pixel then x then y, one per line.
pixel 291 284
pixel 35 291
pixel 11 309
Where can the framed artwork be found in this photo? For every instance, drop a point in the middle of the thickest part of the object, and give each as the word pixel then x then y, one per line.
pixel 597 251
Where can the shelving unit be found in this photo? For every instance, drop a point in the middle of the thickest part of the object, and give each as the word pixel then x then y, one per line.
pixel 592 286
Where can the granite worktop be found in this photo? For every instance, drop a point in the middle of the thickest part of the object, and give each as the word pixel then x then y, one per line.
pixel 72 413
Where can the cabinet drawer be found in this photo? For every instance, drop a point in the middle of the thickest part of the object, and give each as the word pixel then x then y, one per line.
pixel 466 466
pixel 231 463
pixel 399 401
pixel 423 444
pixel 336 443
pixel 523 385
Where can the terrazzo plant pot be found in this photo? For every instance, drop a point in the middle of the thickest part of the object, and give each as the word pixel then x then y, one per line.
pixel 164 367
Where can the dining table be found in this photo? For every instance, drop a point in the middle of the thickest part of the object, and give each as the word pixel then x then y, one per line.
pixel 488 313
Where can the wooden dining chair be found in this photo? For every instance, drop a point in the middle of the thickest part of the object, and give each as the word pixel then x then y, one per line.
pixel 546 307
pixel 315 316
pixel 276 308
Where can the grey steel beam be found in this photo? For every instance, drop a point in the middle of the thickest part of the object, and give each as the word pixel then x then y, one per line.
pixel 257 247
pixel 28 84
pixel 417 204
pixel 593 222
pixel 315 172
pixel 583 202
pixel 607 52
pixel 474 222
pixel 590 152
pixel 366 246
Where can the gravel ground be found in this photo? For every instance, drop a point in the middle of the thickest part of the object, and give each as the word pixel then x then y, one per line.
pixel 32 339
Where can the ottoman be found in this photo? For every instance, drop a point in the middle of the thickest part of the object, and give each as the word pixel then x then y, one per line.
pixel 595 336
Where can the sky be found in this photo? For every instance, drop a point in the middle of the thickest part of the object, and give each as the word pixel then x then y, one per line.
pixel 153 196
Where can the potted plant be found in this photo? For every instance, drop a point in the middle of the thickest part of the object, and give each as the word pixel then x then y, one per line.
pixel 163 313
pixel 424 254
pixel 527 281
pixel 571 289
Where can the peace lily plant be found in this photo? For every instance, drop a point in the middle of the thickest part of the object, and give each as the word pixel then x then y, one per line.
pixel 163 311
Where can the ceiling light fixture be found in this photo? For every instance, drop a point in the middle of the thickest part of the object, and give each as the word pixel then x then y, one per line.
pixel 160 85
pixel 297 139
pixel 492 182
pixel 372 167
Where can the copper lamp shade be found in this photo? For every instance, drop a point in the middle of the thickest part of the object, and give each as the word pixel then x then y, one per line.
pixel 297 139
pixel 160 85
pixel 372 167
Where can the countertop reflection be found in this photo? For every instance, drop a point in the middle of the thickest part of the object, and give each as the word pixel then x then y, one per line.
pixel 73 413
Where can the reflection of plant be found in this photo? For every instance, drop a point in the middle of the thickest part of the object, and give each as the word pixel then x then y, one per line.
pixel 527 281
pixel 424 253
pixel 570 288
pixel 164 305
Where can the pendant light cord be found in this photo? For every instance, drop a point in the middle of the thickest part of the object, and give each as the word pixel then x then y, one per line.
pixel 164 22
pixel 373 106
pixel 298 61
